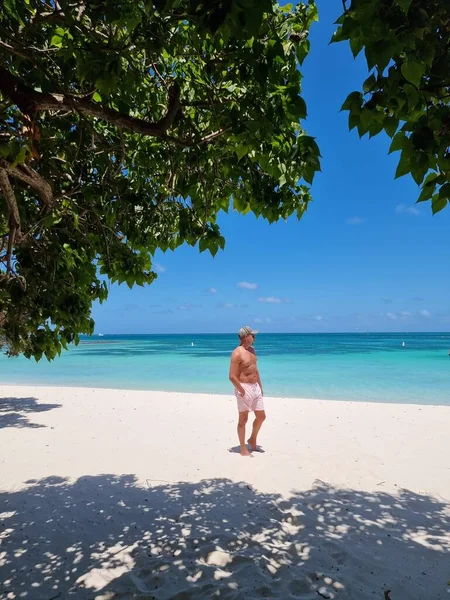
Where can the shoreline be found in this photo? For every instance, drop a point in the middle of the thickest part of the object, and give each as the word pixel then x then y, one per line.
pixel 109 493
pixel 222 395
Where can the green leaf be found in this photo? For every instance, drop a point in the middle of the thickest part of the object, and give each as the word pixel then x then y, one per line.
pixel 353 102
pixel 432 179
pixel 437 204
pixel 299 106
pixel 356 45
pixel 403 167
pixel 353 121
pixel 419 167
pixel 367 118
pixel 57 38
pixel 413 71
pixel 53 220
pixel 203 244
pixel 20 157
pixel 338 36
pixel 404 5
pixel 5 150
pixel 313 13
pixel 426 193
pixel 390 125
pixel 375 129
pixel 369 83
pixel 444 192
pixel 241 151
pixel 398 142
pixel 11 8
pixel 378 53
pixel 427 54
pixel 302 51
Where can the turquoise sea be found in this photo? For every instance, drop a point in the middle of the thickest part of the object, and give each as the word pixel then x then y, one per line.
pixel 367 366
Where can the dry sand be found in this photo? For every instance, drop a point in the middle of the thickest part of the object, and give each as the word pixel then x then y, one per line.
pixel 112 494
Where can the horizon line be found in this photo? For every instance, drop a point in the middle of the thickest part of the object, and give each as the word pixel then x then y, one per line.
pixel 273 333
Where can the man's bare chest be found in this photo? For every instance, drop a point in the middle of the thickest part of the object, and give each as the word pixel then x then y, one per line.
pixel 248 360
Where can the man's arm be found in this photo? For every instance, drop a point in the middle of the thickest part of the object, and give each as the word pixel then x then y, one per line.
pixel 259 381
pixel 234 371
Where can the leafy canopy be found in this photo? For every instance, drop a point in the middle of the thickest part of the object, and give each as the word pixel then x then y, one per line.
pixel 407 48
pixel 125 127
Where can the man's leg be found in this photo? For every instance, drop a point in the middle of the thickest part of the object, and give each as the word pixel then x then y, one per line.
pixel 243 417
pixel 260 417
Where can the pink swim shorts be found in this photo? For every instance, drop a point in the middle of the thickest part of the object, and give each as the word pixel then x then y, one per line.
pixel 253 399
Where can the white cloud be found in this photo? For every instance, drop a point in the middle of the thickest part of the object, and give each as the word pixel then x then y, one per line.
pixel 212 291
pixel 245 285
pixel 425 313
pixel 356 220
pixel 133 308
pixel 403 314
pixel 270 300
pixel 266 320
pixel 188 306
pixel 318 318
pixel 159 268
pixel 402 209
pixel 229 305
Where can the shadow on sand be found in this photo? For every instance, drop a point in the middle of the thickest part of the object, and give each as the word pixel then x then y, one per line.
pixel 14 412
pixel 107 537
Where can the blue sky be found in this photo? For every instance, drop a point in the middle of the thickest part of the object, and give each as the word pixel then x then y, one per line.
pixel 365 257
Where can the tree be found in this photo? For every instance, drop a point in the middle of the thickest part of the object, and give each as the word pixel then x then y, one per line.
pixel 125 127
pixel 407 94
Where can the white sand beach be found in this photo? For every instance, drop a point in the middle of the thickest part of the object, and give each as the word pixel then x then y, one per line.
pixel 112 494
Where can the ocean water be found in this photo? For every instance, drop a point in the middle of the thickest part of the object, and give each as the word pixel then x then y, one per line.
pixel 364 367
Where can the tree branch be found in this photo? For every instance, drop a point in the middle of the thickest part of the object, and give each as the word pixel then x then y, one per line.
pixel 187 143
pixel 15 51
pixel 14 217
pixel 31 101
pixel 32 178
pixel 10 198
pixel 212 136
pixel 57 15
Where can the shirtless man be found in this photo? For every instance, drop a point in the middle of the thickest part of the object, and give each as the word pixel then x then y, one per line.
pixel 244 375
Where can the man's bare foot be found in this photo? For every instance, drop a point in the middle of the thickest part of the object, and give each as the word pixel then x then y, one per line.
pixel 254 446
pixel 245 452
